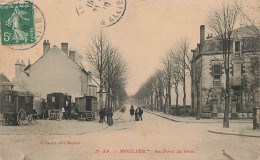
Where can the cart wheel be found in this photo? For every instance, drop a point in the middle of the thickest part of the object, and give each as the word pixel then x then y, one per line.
pixel 21 117
pixel 30 119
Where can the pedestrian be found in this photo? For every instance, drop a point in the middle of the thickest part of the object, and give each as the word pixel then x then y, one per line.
pixel 132 112
pixel 101 116
pixel 104 115
pixel 141 113
pixel 110 117
pixel 136 114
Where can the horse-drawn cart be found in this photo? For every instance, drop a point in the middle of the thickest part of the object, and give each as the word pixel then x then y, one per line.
pixel 86 107
pixel 16 107
pixel 58 106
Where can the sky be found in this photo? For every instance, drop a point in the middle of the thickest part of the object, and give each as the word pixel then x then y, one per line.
pixel 145 33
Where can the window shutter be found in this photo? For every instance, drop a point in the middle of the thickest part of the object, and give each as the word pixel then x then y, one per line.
pixel 231 69
pixel 211 72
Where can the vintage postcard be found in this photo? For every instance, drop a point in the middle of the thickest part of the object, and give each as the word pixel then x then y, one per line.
pixel 129 79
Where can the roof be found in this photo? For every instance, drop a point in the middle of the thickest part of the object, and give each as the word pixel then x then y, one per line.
pixel 212 45
pixel 243 32
pixel 59 50
pixel 4 81
pixel 3 78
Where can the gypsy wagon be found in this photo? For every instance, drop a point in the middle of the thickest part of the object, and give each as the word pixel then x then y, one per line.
pixel 16 107
pixel 58 106
pixel 86 107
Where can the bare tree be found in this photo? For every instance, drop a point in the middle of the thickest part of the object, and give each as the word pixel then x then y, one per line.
pixel 181 57
pixel 221 22
pixel 95 54
pixel 160 86
pixel 167 65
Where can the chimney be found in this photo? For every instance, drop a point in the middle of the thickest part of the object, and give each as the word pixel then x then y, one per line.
pixel 72 55
pixel 65 48
pixel 202 34
pixel 209 36
pixel 22 66
pixel 17 68
pixel 46 46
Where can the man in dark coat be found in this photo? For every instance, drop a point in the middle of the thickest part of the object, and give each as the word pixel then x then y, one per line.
pixel 102 115
pixel 141 113
pixel 132 112
pixel 110 117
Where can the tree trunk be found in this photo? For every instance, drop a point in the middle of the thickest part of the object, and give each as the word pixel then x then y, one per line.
pixel 198 103
pixel 177 100
pixel 169 92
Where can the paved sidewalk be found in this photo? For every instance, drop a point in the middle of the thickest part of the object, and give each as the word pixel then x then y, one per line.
pixel 242 127
pixel 193 119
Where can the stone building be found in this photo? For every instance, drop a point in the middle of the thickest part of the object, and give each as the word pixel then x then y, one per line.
pixel 55 71
pixel 209 78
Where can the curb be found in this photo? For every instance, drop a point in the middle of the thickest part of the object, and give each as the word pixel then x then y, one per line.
pixel 163 117
pixel 11 154
pixel 233 134
pixel 187 121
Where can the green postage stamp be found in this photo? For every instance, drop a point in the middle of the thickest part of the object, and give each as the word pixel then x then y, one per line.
pixel 17 24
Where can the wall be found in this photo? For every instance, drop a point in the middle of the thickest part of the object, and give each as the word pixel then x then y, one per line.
pixel 55 72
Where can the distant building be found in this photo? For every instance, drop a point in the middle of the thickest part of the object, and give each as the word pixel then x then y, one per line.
pixel 209 78
pixel 5 83
pixel 55 71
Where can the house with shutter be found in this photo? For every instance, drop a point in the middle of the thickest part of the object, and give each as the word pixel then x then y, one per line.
pixel 55 71
pixel 209 78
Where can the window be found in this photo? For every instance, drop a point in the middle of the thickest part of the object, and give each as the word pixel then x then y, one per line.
pixel 53 98
pixel 217 72
pixel 8 98
pixel 237 46
pixel 27 100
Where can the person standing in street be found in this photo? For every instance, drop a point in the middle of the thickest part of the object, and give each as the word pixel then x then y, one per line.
pixel 132 112
pixel 101 116
pixel 110 117
pixel 141 113
pixel 136 114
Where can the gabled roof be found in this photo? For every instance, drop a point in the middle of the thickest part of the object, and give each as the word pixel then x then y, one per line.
pixel 3 78
pixel 59 50
pixel 4 81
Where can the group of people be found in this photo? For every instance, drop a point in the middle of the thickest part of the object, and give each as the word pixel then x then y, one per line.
pixel 108 113
pixel 136 113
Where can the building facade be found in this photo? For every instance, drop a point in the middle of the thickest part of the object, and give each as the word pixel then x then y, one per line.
pixel 55 71
pixel 209 77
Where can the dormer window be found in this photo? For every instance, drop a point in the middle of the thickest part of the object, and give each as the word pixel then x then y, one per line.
pixel 237 46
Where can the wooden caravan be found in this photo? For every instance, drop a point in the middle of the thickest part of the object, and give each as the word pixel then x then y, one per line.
pixel 58 106
pixel 16 107
pixel 86 107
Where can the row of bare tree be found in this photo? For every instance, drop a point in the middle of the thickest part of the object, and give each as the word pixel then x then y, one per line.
pixel 176 66
pixel 110 68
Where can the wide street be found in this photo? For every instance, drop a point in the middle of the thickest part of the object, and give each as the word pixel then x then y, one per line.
pixel 153 138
